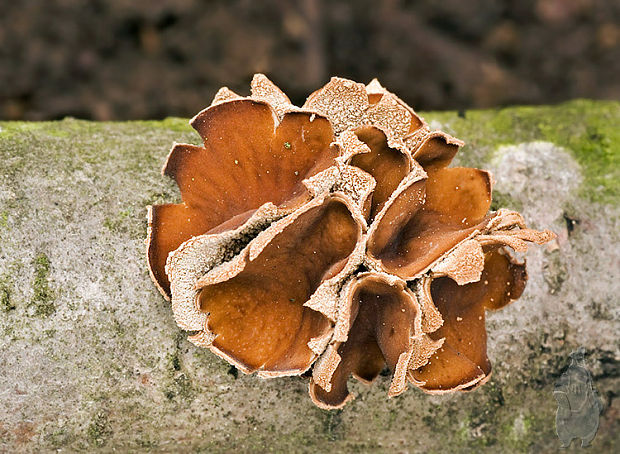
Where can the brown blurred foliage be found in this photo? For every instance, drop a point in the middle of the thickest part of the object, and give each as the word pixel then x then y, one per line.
pixel 124 59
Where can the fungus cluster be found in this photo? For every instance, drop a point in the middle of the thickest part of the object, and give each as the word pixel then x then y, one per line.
pixel 334 240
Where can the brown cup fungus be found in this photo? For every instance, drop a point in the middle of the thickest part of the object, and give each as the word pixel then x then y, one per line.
pixel 334 239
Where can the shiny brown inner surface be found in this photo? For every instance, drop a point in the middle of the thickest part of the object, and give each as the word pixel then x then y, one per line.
pixel 397 216
pixel 374 98
pixel 457 201
pixel 383 320
pixel 463 356
pixel 416 123
pixel 246 161
pixel 258 315
pixel 172 224
pixel 388 166
pixel 435 153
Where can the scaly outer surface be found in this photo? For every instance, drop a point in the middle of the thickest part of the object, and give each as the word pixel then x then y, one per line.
pixel 91 358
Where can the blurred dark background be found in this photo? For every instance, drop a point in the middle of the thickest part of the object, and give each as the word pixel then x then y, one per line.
pixel 128 59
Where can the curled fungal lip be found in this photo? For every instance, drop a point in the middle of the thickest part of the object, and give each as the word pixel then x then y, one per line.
pixel 334 237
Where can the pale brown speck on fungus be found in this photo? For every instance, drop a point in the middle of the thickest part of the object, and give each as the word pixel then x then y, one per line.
pixel 334 239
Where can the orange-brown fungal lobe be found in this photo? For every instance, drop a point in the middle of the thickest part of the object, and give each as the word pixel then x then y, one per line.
pixel 384 319
pixel 334 237
pixel 258 316
pixel 433 216
pixel 462 359
pixel 437 151
pixel 388 166
pixel 249 158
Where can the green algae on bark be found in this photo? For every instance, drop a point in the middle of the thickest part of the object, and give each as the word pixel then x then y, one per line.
pixel 43 297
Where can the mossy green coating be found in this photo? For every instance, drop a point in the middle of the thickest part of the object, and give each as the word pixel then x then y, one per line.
pixel 4 219
pixel 43 297
pixel 98 431
pixel 5 298
pixel 101 366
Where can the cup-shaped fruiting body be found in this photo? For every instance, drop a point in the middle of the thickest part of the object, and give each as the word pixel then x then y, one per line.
pixel 334 238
